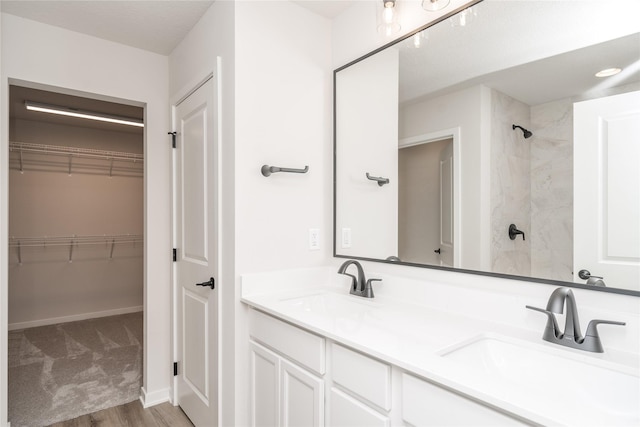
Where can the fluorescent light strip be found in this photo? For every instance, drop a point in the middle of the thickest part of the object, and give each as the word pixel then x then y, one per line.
pixel 80 114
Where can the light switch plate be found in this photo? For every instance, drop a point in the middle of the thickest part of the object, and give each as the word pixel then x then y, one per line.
pixel 314 239
pixel 346 238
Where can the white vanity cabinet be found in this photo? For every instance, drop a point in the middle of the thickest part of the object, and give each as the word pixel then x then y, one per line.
pixel 361 389
pixel 284 393
pixel 297 376
pixel 426 404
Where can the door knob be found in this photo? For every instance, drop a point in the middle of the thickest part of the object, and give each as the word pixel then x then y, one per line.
pixel 586 274
pixel 438 251
pixel 211 282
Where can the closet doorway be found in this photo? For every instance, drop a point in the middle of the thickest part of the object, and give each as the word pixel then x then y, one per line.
pixel 75 270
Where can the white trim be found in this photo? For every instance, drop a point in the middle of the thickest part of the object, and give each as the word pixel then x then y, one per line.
pixel 155 397
pixel 73 318
pixel 455 135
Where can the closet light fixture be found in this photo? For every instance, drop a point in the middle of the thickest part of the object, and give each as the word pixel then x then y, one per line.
pixel 62 111
pixel 434 5
pixel 388 18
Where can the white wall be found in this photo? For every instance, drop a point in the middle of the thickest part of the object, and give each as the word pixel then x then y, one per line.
pixel 276 109
pixel 468 110
pixel 283 98
pixel 367 142
pixel 49 57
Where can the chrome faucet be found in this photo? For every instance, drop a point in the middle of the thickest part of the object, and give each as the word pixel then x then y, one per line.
pixel 571 336
pixel 360 286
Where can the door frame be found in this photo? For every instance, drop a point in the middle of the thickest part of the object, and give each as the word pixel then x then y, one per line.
pixel 175 288
pixel 454 135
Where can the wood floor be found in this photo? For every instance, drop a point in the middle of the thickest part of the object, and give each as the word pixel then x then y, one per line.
pixel 132 415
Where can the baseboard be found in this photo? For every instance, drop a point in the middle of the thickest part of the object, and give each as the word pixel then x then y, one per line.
pixel 73 318
pixel 155 397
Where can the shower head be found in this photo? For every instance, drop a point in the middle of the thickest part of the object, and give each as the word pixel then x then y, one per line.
pixel 527 134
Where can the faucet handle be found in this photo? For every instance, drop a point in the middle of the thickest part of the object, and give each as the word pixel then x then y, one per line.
pixel 354 281
pixel 592 329
pixel 368 289
pixel 592 340
pixel 552 322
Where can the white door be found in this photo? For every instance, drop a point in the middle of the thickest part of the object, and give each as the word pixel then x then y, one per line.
pixel 607 189
pixel 446 206
pixel 196 233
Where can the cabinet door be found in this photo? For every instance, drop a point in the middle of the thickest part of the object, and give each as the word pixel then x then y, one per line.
pixel 345 411
pixel 425 404
pixel 265 386
pixel 302 397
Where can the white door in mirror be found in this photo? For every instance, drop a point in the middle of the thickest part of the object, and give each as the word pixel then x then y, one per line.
pixel 607 189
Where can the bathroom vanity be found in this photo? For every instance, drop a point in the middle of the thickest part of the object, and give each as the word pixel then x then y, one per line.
pixel 416 355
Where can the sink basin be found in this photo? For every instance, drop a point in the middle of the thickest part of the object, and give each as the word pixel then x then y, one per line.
pixel 601 389
pixel 330 304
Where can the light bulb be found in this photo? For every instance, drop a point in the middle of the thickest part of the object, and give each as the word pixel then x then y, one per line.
pixel 387 15
pixel 388 19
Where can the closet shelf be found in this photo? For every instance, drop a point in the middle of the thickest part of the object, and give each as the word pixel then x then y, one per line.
pixel 88 159
pixel 108 240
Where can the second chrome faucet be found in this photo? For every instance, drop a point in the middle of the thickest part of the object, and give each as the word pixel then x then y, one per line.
pixel 360 286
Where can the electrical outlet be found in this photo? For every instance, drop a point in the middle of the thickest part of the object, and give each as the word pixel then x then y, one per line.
pixel 346 238
pixel 314 239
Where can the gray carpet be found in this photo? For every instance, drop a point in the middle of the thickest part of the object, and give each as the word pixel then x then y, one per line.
pixel 60 372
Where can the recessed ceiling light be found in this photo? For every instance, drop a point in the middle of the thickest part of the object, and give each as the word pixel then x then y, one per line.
pixel 608 72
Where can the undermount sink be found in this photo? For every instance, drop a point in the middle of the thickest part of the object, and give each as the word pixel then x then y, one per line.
pixel 327 303
pixel 558 376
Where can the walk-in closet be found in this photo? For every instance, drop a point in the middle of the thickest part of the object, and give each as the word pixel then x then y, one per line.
pixel 76 172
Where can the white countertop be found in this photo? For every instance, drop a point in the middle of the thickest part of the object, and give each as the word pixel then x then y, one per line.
pixel 412 336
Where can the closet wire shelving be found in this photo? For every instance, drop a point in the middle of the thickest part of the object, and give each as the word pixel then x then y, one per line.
pixel 73 241
pixel 87 160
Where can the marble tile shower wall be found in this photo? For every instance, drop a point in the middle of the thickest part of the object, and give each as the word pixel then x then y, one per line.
pixel 510 185
pixel 552 190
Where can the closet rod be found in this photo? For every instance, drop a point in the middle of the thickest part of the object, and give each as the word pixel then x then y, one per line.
pixel 87 153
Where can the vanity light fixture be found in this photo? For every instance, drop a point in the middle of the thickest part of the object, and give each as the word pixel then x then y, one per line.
pixel 388 18
pixel 608 72
pixel 434 5
pixel 63 111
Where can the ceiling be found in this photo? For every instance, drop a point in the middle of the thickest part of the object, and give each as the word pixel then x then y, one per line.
pixel 327 8
pixel 156 26
pixel 533 51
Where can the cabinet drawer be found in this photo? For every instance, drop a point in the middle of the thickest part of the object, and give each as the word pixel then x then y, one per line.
pixel 348 412
pixel 424 403
pixel 362 375
pixel 301 346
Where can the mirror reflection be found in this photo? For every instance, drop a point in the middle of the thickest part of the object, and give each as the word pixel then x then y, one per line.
pixel 502 150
